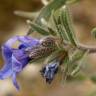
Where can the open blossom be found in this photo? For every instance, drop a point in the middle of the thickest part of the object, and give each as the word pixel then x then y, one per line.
pixel 49 71
pixel 16 58
pixel 28 49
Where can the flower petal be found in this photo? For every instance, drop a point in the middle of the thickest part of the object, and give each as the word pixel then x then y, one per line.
pixel 15 81
pixel 7 49
pixel 6 53
pixel 19 60
pixel 28 41
pixel 16 65
pixel 6 71
pixel 16 59
pixel 22 46
pixel 10 42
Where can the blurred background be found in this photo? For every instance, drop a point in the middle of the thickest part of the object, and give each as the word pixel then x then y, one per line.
pixel 32 84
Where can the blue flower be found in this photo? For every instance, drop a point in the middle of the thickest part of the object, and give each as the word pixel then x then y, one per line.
pixel 16 58
pixel 49 71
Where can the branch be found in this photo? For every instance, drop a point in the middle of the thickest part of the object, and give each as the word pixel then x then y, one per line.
pixel 85 47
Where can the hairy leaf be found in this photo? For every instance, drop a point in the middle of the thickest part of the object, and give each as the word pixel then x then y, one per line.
pixel 51 31
pixel 80 59
pixel 67 23
pixel 47 10
pixel 38 28
pixel 29 15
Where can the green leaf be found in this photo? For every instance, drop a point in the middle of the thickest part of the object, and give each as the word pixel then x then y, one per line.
pixel 56 22
pixel 93 32
pixel 93 78
pixel 48 26
pixel 47 10
pixel 53 56
pixel 72 1
pixel 93 93
pixel 80 77
pixel 78 54
pixel 29 15
pixel 63 34
pixel 67 23
pixel 81 59
pixel 51 31
pixel 73 66
pixel 38 28
pixel 59 29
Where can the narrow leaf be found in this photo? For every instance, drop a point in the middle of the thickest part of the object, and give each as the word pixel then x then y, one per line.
pixel 67 23
pixel 63 34
pixel 38 28
pixel 51 31
pixel 47 10
pixel 72 1
pixel 55 22
pixel 48 26
pixel 80 62
pixel 29 15
pixel 57 25
pixel 59 28
pixel 93 32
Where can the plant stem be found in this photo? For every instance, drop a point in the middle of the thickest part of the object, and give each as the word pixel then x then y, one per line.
pixel 85 48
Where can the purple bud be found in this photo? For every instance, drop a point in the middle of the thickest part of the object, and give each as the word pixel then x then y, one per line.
pixel 50 70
